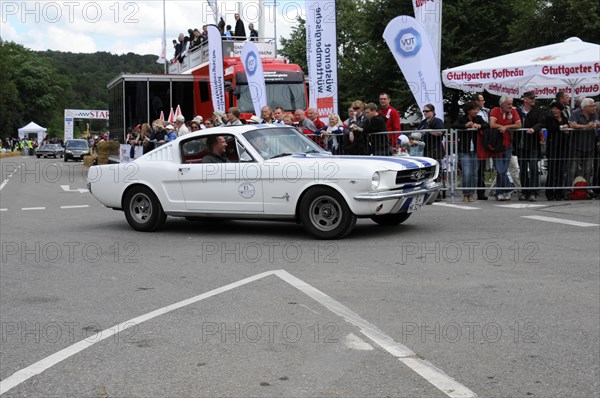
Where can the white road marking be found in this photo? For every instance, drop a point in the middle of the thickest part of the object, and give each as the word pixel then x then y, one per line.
pixel 3 209
pixel 520 206
pixel 24 374
pixel 456 206
pixel 67 188
pixel 429 372
pixel 354 342
pixel 75 207
pixel 433 375
pixel 9 176
pixel 561 221
pixel 32 208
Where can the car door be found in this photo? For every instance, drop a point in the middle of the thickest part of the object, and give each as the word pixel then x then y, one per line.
pixel 233 187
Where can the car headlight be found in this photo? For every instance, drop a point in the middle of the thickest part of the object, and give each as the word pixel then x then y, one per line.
pixel 68 151
pixel 375 180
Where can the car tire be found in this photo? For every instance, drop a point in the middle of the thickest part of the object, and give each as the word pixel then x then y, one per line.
pixel 66 160
pixel 38 156
pixel 325 214
pixel 143 210
pixel 391 219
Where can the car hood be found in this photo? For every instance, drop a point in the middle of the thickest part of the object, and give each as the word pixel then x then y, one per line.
pixel 370 162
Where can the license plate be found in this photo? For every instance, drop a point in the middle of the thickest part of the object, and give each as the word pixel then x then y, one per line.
pixel 76 156
pixel 417 203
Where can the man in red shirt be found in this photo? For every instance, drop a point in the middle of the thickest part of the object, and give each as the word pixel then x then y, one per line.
pixel 392 116
pixel 503 118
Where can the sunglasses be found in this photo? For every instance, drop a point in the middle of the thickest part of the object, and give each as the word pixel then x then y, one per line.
pixel 426 110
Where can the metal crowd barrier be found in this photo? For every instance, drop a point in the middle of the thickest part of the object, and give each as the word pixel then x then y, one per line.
pixel 539 163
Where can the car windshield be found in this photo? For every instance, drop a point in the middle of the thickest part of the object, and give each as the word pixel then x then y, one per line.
pixel 77 144
pixel 47 147
pixel 277 142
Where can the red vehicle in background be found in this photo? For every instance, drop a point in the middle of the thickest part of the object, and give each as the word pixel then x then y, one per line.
pixel 140 98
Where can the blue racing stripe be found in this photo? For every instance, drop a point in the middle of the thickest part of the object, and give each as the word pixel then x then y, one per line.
pixel 408 162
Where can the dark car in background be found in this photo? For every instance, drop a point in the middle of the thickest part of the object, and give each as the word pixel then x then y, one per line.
pixel 76 150
pixel 50 150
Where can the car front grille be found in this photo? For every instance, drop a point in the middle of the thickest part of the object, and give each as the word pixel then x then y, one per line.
pixel 415 176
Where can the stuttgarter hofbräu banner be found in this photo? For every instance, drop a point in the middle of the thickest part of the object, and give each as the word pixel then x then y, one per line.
pixel 572 66
pixel 413 52
pixel 321 56
pixel 429 15
pixel 215 68
pixel 255 75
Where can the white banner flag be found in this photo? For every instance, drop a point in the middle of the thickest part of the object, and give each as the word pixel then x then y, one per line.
pixel 413 52
pixel 215 9
pixel 255 76
pixel 215 68
pixel 321 56
pixel 429 15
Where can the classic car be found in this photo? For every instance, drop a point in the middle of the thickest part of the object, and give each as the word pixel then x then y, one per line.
pixel 76 150
pixel 272 173
pixel 47 150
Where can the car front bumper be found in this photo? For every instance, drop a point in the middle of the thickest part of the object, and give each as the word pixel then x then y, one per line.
pixel 397 201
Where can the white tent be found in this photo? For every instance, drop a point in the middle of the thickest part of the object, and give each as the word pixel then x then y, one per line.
pixel 572 66
pixel 33 128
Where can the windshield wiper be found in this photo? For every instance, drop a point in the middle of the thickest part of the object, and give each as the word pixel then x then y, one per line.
pixel 313 151
pixel 281 155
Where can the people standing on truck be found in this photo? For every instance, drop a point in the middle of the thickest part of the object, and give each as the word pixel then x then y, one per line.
pixel 253 32
pixel 240 31
pixel 228 33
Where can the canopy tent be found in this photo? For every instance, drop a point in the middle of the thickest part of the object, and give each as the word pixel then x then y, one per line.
pixel 572 66
pixel 33 128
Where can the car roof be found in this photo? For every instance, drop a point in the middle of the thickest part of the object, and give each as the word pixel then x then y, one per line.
pixel 233 130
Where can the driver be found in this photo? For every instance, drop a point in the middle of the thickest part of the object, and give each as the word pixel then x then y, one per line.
pixel 217 147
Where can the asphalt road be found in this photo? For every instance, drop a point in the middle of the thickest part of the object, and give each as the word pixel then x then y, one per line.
pixel 501 303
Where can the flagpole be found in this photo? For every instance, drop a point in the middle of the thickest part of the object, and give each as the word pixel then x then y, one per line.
pixel 275 25
pixel 165 35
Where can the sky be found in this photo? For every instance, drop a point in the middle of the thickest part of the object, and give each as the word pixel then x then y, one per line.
pixel 121 27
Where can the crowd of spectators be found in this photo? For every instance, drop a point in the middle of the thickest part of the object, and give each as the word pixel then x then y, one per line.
pixel 569 139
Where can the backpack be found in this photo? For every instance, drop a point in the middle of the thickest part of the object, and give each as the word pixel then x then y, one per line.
pixel 579 189
pixel 492 141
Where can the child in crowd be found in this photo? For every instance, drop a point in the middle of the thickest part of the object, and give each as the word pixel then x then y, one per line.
pixel 414 146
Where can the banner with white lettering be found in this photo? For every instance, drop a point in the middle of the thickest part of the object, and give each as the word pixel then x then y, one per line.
pixel 321 56
pixel 413 52
pixel 571 66
pixel 255 76
pixel 215 68
pixel 429 15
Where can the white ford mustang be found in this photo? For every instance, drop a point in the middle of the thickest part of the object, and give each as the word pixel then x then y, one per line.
pixel 273 173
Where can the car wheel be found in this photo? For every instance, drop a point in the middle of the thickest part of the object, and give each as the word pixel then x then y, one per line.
pixel 143 210
pixel 38 156
pixel 66 160
pixel 391 219
pixel 325 214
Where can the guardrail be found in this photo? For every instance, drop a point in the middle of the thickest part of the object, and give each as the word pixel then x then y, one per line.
pixel 231 48
pixel 539 162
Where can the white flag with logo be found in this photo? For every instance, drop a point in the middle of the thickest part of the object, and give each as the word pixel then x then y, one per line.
pixel 413 52
pixel 215 68
pixel 429 15
pixel 321 56
pixel 255 76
